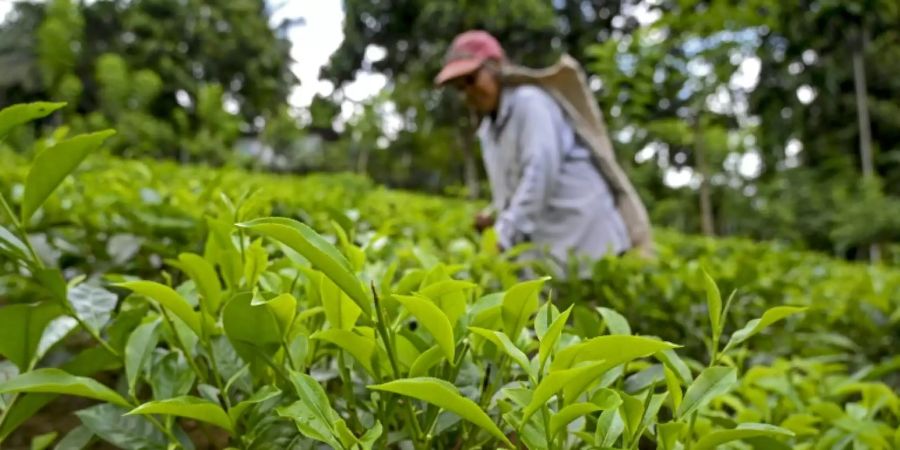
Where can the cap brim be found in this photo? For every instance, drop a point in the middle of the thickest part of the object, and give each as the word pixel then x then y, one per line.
pixel 456 69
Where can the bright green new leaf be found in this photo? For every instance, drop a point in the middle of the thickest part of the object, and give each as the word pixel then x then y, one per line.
pixel 545 316
pixel 55 381
pixel 190 407
pixel 669 433
pixel 552 336
pixel 754 326
pixel 361 347
pixel 716 438
pixel 256 260
pixel 265 393
pixel 444 395
pixel 632 410
pixel 713 304
pixel 614 349
pixel 340 311
pixel 204 275
pixel 21 328
pixel 434 320
pixel 674 363
pixel 712 382
pixel 283 308
pixel 138 349
pixel 615 322
pixel 562 380
pixel 450 296
pixel 43 441
pixel 570 413
pixel 503 343
pixel 367 440
pixel 15 115
pixel 606 398
pixel 428 359
pixel 52 165
pixel 519 303
pixel 674 387
pixel 169 299
pixel 312 413
pixel 317 250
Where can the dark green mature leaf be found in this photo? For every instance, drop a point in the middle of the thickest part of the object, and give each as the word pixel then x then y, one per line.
pixel 12 246
pixel 190 407
pixel 716 438
pixel 712 382
pixel 317 250
pixel 444 395
pixel 85 363
pixel 754 326
pixel 519 303
pixel 77 439
pixel 434 320
pixel 138 351
pixel 15 115
pixel 52 165
pixel 55 381
pixel 21 328
pixel 312 412
pixel 92 304
pixel 263 394
pixel 110 423
pixel 171 376
pixel 54 332
pixel 169 299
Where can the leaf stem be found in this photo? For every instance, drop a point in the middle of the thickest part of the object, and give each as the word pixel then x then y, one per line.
pixel 180 344
pixel 21 229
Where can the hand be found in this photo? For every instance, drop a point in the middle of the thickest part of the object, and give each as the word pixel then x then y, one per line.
pixel 483 221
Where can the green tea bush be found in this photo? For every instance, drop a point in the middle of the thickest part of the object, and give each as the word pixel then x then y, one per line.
pixel 324 312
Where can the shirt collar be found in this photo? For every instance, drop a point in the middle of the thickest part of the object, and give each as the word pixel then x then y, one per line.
pixel 504 110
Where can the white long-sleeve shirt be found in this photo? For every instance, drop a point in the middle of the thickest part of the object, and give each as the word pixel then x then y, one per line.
pixel 544 185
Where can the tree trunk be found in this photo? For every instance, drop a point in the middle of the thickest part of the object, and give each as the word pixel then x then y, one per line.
pixel 865 126
pixel 706 214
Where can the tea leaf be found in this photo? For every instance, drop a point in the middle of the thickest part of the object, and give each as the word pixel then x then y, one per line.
pixel 713 304
pixel 265 393
pixel 169 299
pixel 434 320
pixel 77 439
pixel 428 359
pixel 137 352
pixel 754 326
pixel 503 343
pixel 570 413
pixel 52 165
pixel 444 395
pixel 15 115
pixel 204 275
pixel 56 381
pixel 190 407
pixel 609 427
pixel 361 347
pixel 319 252
pixel 669 434
pixel 674 387
pixel 21 328
pixel 519 303
pixel 110 423
pixel 558 380
pixel 613 349
pixel 712 382
pixel 615 322
pixel 548 341
pixel 743 431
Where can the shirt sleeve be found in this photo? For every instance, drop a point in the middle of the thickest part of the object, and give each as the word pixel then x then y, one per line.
pixel 540 158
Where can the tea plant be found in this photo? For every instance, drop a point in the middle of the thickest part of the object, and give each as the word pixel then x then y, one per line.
pixel 273 335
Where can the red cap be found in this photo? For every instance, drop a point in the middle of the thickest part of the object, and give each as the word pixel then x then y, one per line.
pixel 467 53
